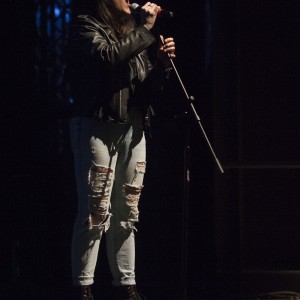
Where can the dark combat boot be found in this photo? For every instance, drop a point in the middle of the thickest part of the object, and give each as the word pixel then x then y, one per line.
pixel 83 292
pixel 127 292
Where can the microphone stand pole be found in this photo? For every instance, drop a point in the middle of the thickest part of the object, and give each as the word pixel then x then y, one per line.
pixel 185 204
pixel 190 99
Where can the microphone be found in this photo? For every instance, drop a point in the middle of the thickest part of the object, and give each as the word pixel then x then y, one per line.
pixel 161 13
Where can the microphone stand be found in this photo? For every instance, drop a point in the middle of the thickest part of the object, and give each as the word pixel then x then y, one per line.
pixel 186 175
pixel 190 100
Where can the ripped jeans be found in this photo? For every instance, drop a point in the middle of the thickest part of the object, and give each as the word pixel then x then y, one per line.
pixel 110 161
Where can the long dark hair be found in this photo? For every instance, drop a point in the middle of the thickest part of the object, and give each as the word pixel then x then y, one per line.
pixel 103 11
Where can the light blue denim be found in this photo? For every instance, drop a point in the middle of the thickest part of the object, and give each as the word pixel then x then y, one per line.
pixel 110 161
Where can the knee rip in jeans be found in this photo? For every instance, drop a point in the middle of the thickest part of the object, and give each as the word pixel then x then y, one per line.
pixel 132 195
pixel 100 181
pixel 140 168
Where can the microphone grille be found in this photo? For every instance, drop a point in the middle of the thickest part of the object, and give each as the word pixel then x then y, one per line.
pixel 134 6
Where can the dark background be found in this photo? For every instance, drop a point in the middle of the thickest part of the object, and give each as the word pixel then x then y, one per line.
pixel 228 236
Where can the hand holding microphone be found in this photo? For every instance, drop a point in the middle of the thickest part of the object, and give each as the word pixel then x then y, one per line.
pixel 150 11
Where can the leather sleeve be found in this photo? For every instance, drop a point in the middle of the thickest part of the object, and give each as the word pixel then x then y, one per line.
pixel 103 47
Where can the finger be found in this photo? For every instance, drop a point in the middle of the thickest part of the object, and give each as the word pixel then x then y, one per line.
pixel 171 43
pixel 169 39
pixel 151 8
pixel 170 52
pixel 154 9
pixel 169 47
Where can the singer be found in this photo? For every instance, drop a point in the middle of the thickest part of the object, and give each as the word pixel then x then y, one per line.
pixel 113 79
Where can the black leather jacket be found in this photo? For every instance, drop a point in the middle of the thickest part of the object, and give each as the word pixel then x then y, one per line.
pixel 108 76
